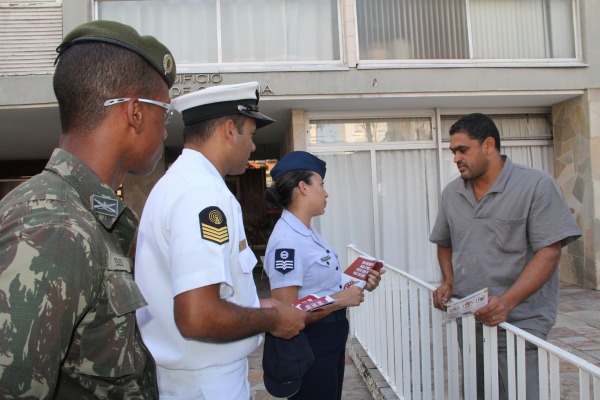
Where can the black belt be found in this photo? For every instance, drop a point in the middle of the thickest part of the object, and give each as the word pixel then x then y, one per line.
pixel 339 315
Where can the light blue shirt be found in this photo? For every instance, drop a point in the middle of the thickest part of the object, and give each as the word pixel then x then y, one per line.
pixel 298 256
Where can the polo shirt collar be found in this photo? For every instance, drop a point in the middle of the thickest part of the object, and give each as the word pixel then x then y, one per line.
pixel 500 182
pixel 95 194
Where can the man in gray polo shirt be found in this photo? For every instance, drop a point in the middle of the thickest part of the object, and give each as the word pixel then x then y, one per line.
pixel 501 226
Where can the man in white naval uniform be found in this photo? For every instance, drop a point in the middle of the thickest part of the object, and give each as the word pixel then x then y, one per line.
pixel 193 263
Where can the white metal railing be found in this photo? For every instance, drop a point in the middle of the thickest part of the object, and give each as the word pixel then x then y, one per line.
pixel 418 352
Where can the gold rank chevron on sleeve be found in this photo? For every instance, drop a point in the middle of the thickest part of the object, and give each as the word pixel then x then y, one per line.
pixel 213 225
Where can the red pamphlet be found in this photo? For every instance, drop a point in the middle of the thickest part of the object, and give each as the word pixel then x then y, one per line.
pixel 313 303
pixel 356 274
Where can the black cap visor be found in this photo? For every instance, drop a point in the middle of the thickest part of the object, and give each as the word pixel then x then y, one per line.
pixel 252 112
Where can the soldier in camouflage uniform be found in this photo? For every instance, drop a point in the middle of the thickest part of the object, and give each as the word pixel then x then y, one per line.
pixel 67 295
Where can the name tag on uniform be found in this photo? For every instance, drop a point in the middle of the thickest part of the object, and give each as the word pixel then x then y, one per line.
pixel 326 258
pixel 119 263
pixel 243 245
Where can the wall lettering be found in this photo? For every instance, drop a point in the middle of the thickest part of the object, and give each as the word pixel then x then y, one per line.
pixel 198 78
pixel 188 83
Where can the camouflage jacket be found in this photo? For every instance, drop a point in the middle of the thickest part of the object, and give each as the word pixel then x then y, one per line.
pixel 67 297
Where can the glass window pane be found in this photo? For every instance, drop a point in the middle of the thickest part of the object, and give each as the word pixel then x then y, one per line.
pixel 412 29
pixel 438 30
pixel 187 27
pixel 511 127
pixel 370 130
pixel 522 29
pixel 280 30
pixel 348 183
pixel 408 195
pixel 538 156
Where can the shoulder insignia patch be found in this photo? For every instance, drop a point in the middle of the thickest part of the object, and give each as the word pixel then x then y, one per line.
pixel 284 260
pixel 213 225
pixel 105 206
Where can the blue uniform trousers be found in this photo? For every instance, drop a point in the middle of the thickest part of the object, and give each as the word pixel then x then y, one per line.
pixel 327 338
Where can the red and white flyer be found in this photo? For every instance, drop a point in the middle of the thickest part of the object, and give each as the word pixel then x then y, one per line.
pixel 313 303
pixel 356 274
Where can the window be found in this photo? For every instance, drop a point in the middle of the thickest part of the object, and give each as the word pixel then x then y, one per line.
pixel 236 32
pixel 370 130
pixel 467 30
pixel 385 197
pixel 29 34
pixel 511 126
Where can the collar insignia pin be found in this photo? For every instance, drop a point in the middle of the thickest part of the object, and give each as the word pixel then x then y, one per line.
pixel 105 206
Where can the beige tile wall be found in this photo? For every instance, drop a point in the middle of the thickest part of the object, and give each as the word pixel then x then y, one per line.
pixel 577 167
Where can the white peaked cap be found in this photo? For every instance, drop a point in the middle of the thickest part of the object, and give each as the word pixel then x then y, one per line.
pixel 218 101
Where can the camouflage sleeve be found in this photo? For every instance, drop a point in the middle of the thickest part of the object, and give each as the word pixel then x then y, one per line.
pixel 46 283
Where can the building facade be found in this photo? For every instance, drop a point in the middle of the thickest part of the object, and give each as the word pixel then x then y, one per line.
pixel 370 86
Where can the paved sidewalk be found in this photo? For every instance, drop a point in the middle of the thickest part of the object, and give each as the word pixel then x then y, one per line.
pixel 577 327
pixel 577 330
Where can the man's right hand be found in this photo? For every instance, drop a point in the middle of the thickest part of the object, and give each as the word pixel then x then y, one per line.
pixel 290 320
pixel 441 295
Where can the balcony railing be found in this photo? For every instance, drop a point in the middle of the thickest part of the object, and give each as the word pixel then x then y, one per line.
pixel 419 355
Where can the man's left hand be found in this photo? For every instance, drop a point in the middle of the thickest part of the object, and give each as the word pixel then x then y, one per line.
pixel 495 312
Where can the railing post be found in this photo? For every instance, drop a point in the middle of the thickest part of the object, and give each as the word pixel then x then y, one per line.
pixel 452 349
pixel 511 366
pixel 398 380
pixel 543 373
pixel 521 370
pixel 425 341
pixel 438 352
pixel 405 339
pixel 555 378
pixel 415 342
pixel 490 359
pixel 469 348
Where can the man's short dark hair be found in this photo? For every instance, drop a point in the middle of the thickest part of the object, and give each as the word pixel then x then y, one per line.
pixel 477 126
pixel 200 132
pixel 90 73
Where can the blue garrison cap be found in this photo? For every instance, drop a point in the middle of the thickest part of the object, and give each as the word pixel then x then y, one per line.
pixel 297 160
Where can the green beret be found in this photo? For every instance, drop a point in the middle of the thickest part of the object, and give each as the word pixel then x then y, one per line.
pixel 148 47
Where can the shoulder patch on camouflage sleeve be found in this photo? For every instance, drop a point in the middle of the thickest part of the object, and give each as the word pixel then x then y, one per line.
pixel 213 225
pixel 284 260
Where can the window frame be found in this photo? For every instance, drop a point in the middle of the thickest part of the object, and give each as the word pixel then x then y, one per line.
pixel 409 144
pixel 577 61
pixel 261 66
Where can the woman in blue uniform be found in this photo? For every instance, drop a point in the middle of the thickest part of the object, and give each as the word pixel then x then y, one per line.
pixel 299 262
